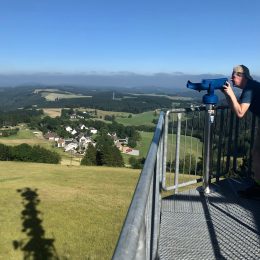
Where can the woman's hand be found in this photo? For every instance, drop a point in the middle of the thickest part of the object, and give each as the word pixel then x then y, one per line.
pixel 227 89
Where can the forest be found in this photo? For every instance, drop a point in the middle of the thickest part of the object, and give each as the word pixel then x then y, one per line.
pixel 13 98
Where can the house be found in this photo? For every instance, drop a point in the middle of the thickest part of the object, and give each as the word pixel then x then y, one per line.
pixel 83 139
pixel 68 129
pixel 61 143
pixel 73 116
pixel 71 146
pixel 83 127
pixel 51 136
pixel 73 132
pixel 93 130
pixel 123 140
pixel 68 140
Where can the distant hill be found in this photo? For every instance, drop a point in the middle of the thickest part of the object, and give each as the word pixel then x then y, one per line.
pixel 169 82
pixel 116 99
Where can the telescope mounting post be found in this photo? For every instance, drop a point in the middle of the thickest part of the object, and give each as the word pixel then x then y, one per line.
pixel 210 100
pixel 209 120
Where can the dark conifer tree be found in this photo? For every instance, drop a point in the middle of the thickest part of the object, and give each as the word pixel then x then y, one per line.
pixel 90 156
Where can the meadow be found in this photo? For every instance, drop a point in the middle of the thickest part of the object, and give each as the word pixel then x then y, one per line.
pixel 53 94
pixel 145 118
pixel 67 212
pixel 188 145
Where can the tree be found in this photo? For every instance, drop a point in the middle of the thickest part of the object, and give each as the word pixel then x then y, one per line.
pixel 4 152
pixel 22 152
pixel 90 156
pixel 107 152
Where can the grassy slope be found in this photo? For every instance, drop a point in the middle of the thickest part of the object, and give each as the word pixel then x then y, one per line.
pixel 81 208
pixel 145 118
pixel 27 136
pixel 192 144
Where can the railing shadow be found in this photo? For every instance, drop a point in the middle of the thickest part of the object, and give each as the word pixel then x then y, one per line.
pixel 35 246
pixel 232 223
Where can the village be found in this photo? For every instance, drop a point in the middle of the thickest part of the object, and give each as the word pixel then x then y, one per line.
pixel 82 136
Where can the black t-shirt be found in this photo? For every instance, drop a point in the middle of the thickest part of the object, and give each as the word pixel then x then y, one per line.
pixel 251 95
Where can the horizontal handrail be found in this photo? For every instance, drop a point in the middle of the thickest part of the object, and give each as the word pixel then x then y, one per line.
pixel 132 240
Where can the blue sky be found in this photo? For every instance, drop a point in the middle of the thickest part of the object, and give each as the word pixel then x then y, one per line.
pixel 104 36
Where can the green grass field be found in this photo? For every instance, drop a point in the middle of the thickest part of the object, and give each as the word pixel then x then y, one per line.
pixel 81 208
pixel 145 118
pixel 192 144
pixel 188 145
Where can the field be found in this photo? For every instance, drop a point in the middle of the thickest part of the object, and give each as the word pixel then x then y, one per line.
pixel 78 211
pixel 176 98
pixel 145 118
pixel 53 94
pixel 193 145
pixel 52 112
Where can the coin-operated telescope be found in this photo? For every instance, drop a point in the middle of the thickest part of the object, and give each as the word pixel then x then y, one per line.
pixel 209 85
pixel 210 99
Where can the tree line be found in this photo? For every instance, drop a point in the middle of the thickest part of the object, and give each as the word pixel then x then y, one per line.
pixel 27 153
pixel 13 118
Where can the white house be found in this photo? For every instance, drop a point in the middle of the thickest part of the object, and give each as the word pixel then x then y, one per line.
pixel 68 129
pixel 93 130
pixel 73 132
pixel 71 146
pixel 83 127
pixel 73 116
pixel 83 139
pixel 61 143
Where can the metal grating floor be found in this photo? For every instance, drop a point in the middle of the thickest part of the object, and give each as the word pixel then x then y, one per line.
pixel 220 225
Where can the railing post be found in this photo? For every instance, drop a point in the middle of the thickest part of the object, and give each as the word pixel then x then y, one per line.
pixel 165 141
pixel 252 138
pixel 177 152
pixel 235 144
pixel 220 143
pixel 209 119
pixel 229 141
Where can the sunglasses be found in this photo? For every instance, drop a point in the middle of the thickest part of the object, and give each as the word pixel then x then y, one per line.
pixel 238 74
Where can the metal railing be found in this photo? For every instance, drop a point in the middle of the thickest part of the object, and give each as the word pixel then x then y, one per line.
pixel 226 150
pixel 207 143
pixel 140 233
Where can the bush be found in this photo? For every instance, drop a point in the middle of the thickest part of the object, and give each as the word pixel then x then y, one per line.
pixel 136 163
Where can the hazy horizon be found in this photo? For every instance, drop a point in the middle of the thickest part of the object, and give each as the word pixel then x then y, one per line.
pixel 120 79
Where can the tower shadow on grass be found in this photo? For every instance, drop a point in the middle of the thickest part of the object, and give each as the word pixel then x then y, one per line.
pixel 35 246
